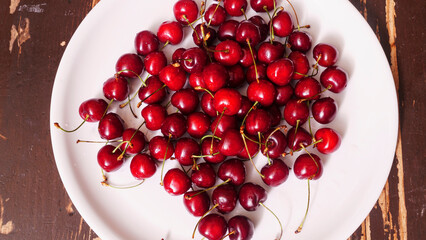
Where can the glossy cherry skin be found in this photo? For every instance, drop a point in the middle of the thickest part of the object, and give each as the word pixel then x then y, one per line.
pixel 295 110
pixel 284 94
pixel 177 55
pixel 325 54
pixel 227 30
pixel 171 32
pixel 146 42
pixel 174 125
pixel 207 105
pixel 282 24
pixel 116 88
pixel 108 160
pixel 263 92
pixel 330 140
pixel 251 195
pixel 275 173
pixel 300 41
pixel 308 167
pixel 204 176
pixel 275 113
pixel 215 15
pixel 237 76
pixel 244 108
pixel 153 92
pixel 260 5
pixel 298 138
pixel 307 88
pixel 186 100
pixel 280 71
pixel 235 7
pixel 93 109
pixel 334 77
pixel 154 116
pixel 196 81
pixel 276 143
pixel 227 100
pixel 234 170
pixel 143 166
pixel 258 120
pixel 213 226
pixel 261 24
pixel 212 157
pixel 252 147
pixel 215 76
pixel 111 126
pixel 225 196
pixel 154 62
pixel 251 73
pixel 185 149
pixel 173 76
pixel 198 204
pixel 270 52
pixel 176 182
pixel 248 31
pixel 194 59
pixel 129 65
pixel 209 34
pixel 231 143
pixel 242 228
pixel 198 124
pixel 228 52
pixel 185 11
pixel 158 147
pixel 222 124
pixel 300 63
pixel 246 59
pixel 137 141
pixel 324 110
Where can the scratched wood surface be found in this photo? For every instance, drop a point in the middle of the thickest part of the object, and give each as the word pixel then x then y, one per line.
pixel 33 201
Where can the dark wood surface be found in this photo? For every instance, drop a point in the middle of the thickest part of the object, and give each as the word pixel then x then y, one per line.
pixel 33 201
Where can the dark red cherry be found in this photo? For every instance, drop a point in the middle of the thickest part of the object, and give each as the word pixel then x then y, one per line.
pixel 324 110
pixel 248 31
pixel 222 124
pixel 308 166
pixel 275 173
pixel 263 92
pixel 284 94
pixel 298 138
pixel 228 52
pixel 211 156
pixel 334 78
pixel 137 141
pixel 235 7
pixel 176 182
pixel 194 59
pixel 198 124
pixel 251 195
pixel 185 11
pixel 269 52
pixel 203 35
pixel 213 226
pixel 300 63
pixel 196 81
pixel 280 71
pixel 204 176
pixel 227 100
pixel 93 109
pixel 251 73
pixel 158 146
pixel 244 108
pixel 177 55
pixel 174 125
pixel 153 92
pixel 234 170
pixel 225 196
pixel 142 166
pixel 307 88
pixel 241 227
pixel 282 24
pixel 237 76
pixel 261 24
pixel 227 30
pixel 274 143
pixel 171 32
pixel 108 159
pixel 275 113
pixel 196 202
pixel 257 121
pixel 295 110
pixel 129 65
pixel 215 76
pixel 154 62
pixel 231 143
pixel 185 149
pixel 154 115
pixel 173 76
pixel 247 59
pixel 263 5
pixel 207 105
pixel 186 100
pixel 111 126
pixel 215 15
pixel 330 140
pixel 116 88
pixel 325 54
pixel 146 42
pixel 300 41
pixel 252 147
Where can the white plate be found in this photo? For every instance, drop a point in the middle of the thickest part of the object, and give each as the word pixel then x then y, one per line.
pixel 353 176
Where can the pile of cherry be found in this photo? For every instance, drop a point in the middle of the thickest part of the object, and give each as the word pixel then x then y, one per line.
pixel 212 119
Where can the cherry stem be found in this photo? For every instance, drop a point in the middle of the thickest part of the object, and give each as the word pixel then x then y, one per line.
pixel 164 160
pixel 70 131
pixel 214 12
pixel 140 103
pixel 248 153
pixel 106 184
pixel 165 44
pixel 299 229
pixel 281 226
pixel 295 14
pixel 204 89
pixel 134 95
pixel 207 189
pixel 313 159
pixel 269 136
pixel 215 128
pixel 106 142
pixel 254 61
pixel 129 142
pixel 128 70
pixel 205 214
pixel 227 235
pixel 244 13
pixel 202 156
pixel 130 106
pixel 244 119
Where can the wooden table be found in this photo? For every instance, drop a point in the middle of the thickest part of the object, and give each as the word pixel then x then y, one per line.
pixel 33 201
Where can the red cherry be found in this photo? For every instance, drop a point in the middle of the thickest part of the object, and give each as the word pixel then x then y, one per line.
pixel 186 100
pixel 276 143
pixel 295 110
pixel 269 52
pixel 108 159
pixel 215 76
pixel 201 33
pixel 129 65
pixel 212 226
pixel 282 24
pixel 300 63
pixel 258 120
pixel 324 110
pixel 153 92
pixel 228 53
pixel 93 109
pixel 298 138
pixel 225 196
pixel 307 88
pixel 231 143
pixel 260 5
pixel 280 71
pixel 173 76
pixel 137 141
pixel 110 126
pixel 154 116
pixel 154 62
pixel 196 202
pixel 196 81
pixel 211 156
pixel 300 41
pixel 334 78
pixel 116 88
pixel 263 92
pixel 146 42
pixel 194 60
pixel 330 140
pixel 252 148
pixel 176 182
pixel 325 54
pixel 185 149
pixel 227 100
pixel 308 166
pixel 204 176
pixel 251 73
pixel 244 108
pixel 215 15
pixel 242 228
pixel 235 7
pixel 248 31
pixel 157 148
pixel 222 124
pixel 171 32
pixel 233 169
pixel 177 55
pixel 198 124
pixel 174 125
pixel 185 11
pixel 261 24
pixel 247 60
pixel 275 173
pixel 227 30
pixel 207 105
pixel 284 94
pixel 142 166
pixel 237 76
pixel 251 195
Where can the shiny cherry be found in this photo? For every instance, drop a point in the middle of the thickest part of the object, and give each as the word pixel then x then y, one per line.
pixel 227 100
pixel 275 173
pixel 240 227
pixel 274 143
pixel 215 15
pixel 185 11
pixel 194 59
pixel 235 7
pixel 215 76
pixel 298 138
pixel 269 52
pixel 225 196
pixel 307 88
pixel 129 65
pixel 329 140
pixel 280 71
pixel 334 78
pixel 116 88
pixel 251 195
pixel 204 176
pixel 93 109
pixel 248 32
pixel 212 157
pixel 153 92
pixel 142 166
pixel 158 147
pixel 263 5
pixel 173 76
pixel 176 182
pixel 207 105
pixel 146 42
pixel 198 124
pixel 213 226
pixel 228 52
pixel 251 73
pixel 185 149
pixel 300 41
pixel 170 32
pixel 207 39
pixel 324 110
pixel 196 81
pixel 196 202
pixel 108 159
pixel 282 24
pixel 222 124
pixel 186 100
pixel 234 170
pixel 111 126
pixel 154 62
pixel 252 147
pixel 325 54
pixel 137 141
pixel 227 30
pixel 308 166
pixel 300 63
pixel 284 94
pixel 237 76
pixel 231 143
pixel 296 110
pixel 154 116
pixel 257 121
pixel 174 125
pixel 263 92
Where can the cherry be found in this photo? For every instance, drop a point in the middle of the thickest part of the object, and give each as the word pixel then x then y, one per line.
pixel 231 143
pixel 211 156
pixel 207 104
pixel 248 32
pixel 307 88
pixel 235 7
pixel 176 182
pixel 142 166
pixel 330 140
pixel 251 73
pixel 154 116
pixel 173 76
pixel 257 121
pixel 203 35
pixel 261 24
pixel 263 5
pixel 177 55
pixel 274 143
pixel 324 110
pixel 227 100
pixel 263 92
pixel 269 52
pixel 196 81
pixel 247 60
pixel 129 65
pixel 300 41
pixel 300 63
pixel 154 62
pixel 236 76
pixel 280 71
pixel 326 55
pixel 198 124
pixel 233 169
pixel 194 59
pixel 109 158
pixel 204 176
pixel 170 32
pixel 298 137
pixel 212 226
pixel 185 149
pixel 110 126
pixel 174 125
pixel 215 76
pixel 282 24
pixel 215 15
pixel 158 147
pixel 334 79
pixel 240 228
pixel 146 42
pixel 136 139
pixel 227 30
pixel 221 124
pixel 225 197
pixel 251 195
pixel 186 100
pixel 252 148
pixel 93 109
pixel 308 166
pixel 196 202
pixel 153 92
pixel 244 108
pixel 228 52
pixel 275 113
pixel 295 111
pixel 284 94
pixel 185 11
pixel 275 173
pixel 116 88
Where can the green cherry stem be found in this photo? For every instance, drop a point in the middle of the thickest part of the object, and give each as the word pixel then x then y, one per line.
pixel 299 229
pixel 75 129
